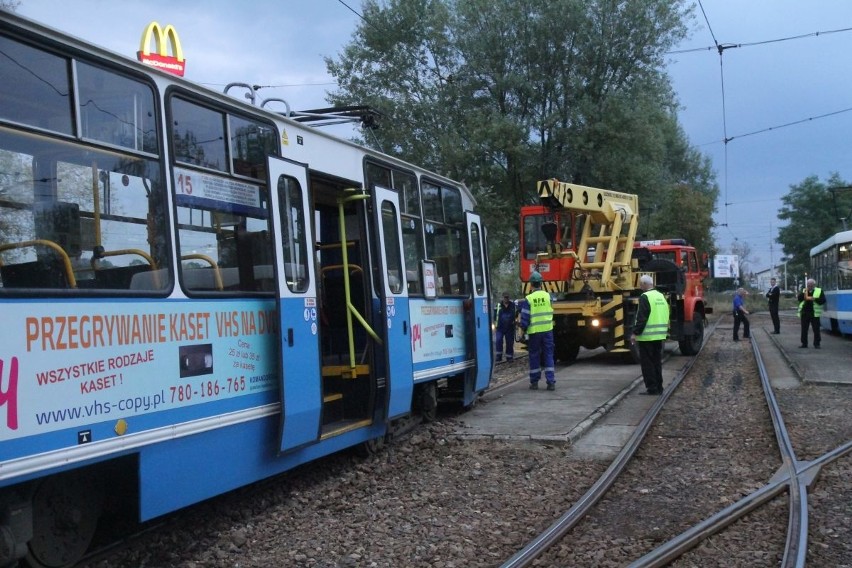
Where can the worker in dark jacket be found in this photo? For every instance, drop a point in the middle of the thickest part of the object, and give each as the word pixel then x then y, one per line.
pixel 811 300
pixel 774 296
pixel 505 329
pixel 650 331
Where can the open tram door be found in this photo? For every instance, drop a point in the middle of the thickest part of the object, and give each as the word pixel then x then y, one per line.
pixel 393 292
pixel 301 389
pixel 480 341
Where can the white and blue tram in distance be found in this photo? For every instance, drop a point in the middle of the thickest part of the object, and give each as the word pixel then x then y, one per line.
pixel 831 267
pixel 198 293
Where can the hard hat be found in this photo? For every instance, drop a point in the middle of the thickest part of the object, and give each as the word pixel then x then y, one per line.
pixel 536 277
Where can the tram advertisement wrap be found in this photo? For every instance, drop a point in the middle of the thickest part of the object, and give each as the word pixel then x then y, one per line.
pixel 437 330
pixel 84 363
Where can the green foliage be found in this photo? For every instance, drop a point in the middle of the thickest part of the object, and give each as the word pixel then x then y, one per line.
pixel 814 212
pixel 501 94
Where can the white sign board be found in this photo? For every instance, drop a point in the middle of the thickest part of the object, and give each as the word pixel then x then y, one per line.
pixel 726 266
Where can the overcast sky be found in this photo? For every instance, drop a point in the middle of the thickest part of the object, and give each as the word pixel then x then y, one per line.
pixel 283 42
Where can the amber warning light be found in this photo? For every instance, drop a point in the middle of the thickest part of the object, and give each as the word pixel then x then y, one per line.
pixel 163 38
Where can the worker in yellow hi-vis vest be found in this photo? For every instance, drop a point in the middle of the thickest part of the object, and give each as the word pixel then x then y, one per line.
pixel 650 330
pixel 811 301
pixel 537 322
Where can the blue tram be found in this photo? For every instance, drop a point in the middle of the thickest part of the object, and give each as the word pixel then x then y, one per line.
pixel 198 293
pixel 831 265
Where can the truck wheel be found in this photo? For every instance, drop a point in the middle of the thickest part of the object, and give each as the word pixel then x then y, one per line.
pixel 692 344
pixel 567 351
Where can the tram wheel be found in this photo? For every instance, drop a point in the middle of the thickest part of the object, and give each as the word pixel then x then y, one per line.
pixel 66 508
pixel 427 401
pixel 371 447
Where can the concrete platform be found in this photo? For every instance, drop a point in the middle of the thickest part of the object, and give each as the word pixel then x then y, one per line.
pixel 831 364
pixel 600 390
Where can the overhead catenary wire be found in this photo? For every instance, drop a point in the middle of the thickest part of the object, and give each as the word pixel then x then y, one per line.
pixel 756 43
pixel 726 139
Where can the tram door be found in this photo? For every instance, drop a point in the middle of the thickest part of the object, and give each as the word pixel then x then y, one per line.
pixel 481 314
pixel 394 300
pixel 301 390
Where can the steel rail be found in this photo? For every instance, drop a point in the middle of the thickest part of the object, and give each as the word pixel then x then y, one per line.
pixel 674 548
pixel 796 546
pixel 575 514
pixel 786 479
pixel 790 477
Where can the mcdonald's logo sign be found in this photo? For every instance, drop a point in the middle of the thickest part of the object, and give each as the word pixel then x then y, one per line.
pixel 162 36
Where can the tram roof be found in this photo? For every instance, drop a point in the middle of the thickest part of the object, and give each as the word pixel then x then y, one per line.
pixel 836 239
pixel 39 29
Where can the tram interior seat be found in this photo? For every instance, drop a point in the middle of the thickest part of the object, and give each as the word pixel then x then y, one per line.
pixel 264 276
pixel 117 277
pixel 148 280
pixel 205 278
pixel 46 272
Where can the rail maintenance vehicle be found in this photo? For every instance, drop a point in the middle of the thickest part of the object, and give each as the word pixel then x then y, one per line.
pixel 582 240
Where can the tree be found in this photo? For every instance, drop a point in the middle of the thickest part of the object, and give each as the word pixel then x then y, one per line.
pixel 809 208
pixel 501 94
pixel 10 5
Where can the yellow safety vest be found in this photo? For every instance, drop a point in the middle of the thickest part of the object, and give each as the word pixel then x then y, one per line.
pixel 657 326
pixel 817 307
pixel 541 312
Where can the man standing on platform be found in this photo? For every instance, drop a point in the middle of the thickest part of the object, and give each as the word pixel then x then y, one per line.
pixel 650 330
pixel 774 295
pixel 537 322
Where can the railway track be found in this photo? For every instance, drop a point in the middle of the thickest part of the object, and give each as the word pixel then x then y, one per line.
pixel 435 500
pixel 793 477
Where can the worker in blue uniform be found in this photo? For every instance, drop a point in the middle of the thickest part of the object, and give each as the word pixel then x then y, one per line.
pixel 537 323
pixel 505 329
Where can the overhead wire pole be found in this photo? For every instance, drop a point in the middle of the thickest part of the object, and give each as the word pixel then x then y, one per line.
pixel 834 191
pixel 721 49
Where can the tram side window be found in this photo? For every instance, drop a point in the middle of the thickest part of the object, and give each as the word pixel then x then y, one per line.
pixel 412 251
pixel 223 220
pixel 412 226
pixel 116 110
pixel 392 256
pixel 251 143
pixel 93 221
pixel 223 234
pixel 198 135
pixel 444 221
pixel 844 267
pixel 478 272
pixel 36 87
pixel 293 235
